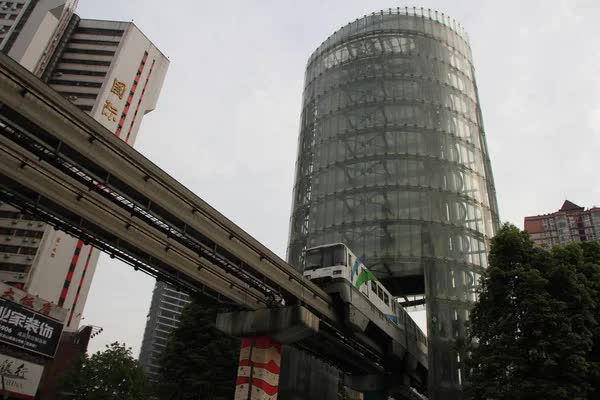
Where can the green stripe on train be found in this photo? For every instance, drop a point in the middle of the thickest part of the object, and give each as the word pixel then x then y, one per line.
pixel 363 277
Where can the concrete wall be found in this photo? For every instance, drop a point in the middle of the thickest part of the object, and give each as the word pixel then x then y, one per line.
pixel 303 377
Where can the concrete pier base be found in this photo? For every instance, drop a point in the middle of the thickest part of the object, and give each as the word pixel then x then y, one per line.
pixel 258 370
pixel 264 331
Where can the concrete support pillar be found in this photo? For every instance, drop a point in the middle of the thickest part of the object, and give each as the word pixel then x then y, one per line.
pixel 258 371
pixel 264 331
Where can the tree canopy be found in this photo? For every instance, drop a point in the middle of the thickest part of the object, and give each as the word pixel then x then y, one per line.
pixel 534 332
pixel 112 374
pixel 199 362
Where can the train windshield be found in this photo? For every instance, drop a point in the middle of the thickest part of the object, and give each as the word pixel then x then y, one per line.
pixel 326 257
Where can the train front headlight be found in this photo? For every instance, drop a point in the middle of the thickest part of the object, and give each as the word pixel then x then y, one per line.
pixel 337 272
pixel 307 276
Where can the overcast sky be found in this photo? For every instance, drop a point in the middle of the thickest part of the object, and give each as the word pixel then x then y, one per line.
pixel 227 120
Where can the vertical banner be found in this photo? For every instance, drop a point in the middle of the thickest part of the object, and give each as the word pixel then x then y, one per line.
pixel 258 371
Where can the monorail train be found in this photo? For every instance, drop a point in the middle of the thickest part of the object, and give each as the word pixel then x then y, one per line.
pixel 333 262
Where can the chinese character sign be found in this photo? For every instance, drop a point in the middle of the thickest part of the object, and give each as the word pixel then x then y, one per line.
pixel 118 88
pixel 21 378
pixel 109 111
pixel 31 302
pixel 28 329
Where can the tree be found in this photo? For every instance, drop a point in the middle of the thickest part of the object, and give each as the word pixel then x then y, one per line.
pixel 199 362
pixel 533 328
pixel 591 271
pixel 112 374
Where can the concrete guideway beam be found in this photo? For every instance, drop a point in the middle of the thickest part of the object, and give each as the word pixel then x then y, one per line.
pixel 287 325
pixel 359 314
pixel 30 172
pixel 39 104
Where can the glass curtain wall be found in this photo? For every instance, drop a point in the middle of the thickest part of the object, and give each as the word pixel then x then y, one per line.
pixel 392 161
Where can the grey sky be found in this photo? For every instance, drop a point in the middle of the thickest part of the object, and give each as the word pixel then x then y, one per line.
pixel 227 120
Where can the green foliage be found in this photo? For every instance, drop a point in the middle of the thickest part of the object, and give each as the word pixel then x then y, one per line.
pixel 534 332
pixel 199 362
pixel 112 374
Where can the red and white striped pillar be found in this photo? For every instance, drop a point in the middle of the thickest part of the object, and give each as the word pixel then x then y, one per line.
pixel 258 371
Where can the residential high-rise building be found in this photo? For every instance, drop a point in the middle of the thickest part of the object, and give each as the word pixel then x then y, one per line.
pixel 392 161
pixel 113 72
pixel 164 316
pixel 571 223
pixel 31 29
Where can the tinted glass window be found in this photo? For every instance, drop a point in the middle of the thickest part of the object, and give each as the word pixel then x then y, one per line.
pixel 326 257
pixel 313 258
pixel 339 255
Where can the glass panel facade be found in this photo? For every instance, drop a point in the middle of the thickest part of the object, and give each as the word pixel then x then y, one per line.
pixel 392 161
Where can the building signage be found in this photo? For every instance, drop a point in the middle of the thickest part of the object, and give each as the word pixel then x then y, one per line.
pixel 19 378
pixel 28 329
pixel 34 303
pixel 109 110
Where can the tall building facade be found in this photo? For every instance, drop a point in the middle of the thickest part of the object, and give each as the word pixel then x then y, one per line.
pixel 163 317
pixel 392 160
pixel 571 223
pixel 112 71
pixel 31 29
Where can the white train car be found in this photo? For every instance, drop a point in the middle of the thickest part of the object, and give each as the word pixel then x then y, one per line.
pixel 336 261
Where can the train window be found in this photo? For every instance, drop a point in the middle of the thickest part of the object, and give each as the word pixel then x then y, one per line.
pixel 374 287
pixel 339 255
pixel 386 299
pixel 325 257
pixel 313 258
pixel 380 292
pixel 394 306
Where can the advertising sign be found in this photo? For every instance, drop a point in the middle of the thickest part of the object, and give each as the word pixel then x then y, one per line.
pixel 21 378
pixel 34 303
pixel 27 329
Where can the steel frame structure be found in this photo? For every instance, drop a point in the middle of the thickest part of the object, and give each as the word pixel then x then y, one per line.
pixel 392 161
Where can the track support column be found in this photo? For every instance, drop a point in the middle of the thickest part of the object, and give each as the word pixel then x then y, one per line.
pixel 263 332
pixel 258 371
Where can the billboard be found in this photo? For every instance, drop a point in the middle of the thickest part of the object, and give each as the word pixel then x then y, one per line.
pixel 32 302
pixel 21 378
pixel 27 329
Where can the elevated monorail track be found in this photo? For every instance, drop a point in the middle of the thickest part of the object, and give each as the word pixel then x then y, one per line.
pixel 62 166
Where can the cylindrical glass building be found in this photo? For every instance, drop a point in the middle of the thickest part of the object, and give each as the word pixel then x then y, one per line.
pixel 392 161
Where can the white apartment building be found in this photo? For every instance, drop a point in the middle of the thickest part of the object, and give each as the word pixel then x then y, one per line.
pixel 31 29
pixel 112 71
